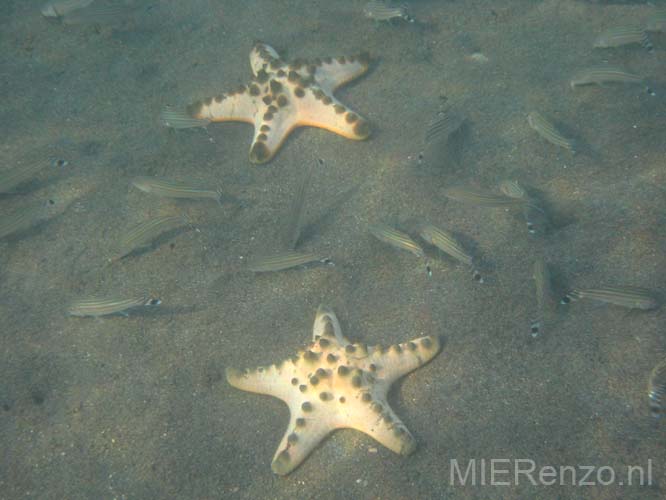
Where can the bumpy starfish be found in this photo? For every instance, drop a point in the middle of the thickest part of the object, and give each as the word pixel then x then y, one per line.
pixel 333 383
pixel 281 97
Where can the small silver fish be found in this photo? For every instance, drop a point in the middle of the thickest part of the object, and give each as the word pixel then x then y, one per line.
pixel 657 390
pixel 102 306
pixel 445 123
pixel 633 297
pixel 173 189
pixel 181 119
pixel 382 11
pixel 143 234
pixel 548 131
pixel 284 260
pixel 483 198
pixel 623 35
pixel 58 8
pixel 396 238
pixel 603 74
pixel 447 243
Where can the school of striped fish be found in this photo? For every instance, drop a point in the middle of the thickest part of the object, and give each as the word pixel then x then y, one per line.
pixel 418 239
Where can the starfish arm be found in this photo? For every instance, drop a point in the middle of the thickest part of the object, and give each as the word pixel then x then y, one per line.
pixel 332 73
pixel 400 359
pixel 302 436
pixel 262 57
pixel 317 109
pixel 270 131
pixel 238 106
pixel 272 380
pixel 326 324
pixel 374 417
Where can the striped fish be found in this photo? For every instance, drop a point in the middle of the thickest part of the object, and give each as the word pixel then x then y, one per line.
pixel 447 243
pixel 13 177
pixel 483 198
pixel 20 220
pixel 383 11
pixel 173 189
pixel 623 35
pixel 143 234
pixel 541 277
pixel 535 217
pixel 657 389
pixel 600 75
pixel 548 131
pixel 103 306
pixel 180 119
pixel 284 260
pixel 98 13
pixel 632 297
pixel 396 239
pixel 657 20
pixel 58 8
pixel 445 123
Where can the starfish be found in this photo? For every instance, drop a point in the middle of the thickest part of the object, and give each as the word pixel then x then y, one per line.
pixel 332 384
pixel 281 97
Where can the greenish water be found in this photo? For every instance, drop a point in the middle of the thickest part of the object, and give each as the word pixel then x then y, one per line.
pixel 139 407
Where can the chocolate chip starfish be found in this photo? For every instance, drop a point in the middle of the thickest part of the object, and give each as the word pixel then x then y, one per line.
pixel 281 97
pixel 333 383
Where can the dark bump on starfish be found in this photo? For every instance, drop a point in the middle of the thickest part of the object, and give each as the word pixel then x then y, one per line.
pixel 267 99
pixel 264 128
pixel 342 399
pixel 372 367
pixel 254 89
pixel 351 117
pixel 302 387
pixel 314 380
pixel 356 381
pixel 299 92
pixel 321 373
pixel 331 358
pixel 327 100
pixel 426 342
pixel 219 98
pixel 272 109
pixel 276 86
pixel 363 58
pixel 387 417
pixel 411 346
pixel 362 349
pixel 318 93
pixel 259 152
pixel 341 59
pixel 362 129
pixel 306 407
pixel 282 100
pixel 310 356
pixel 343 370
pixel 395 348
pixel 366 398
pixel 268 117
pixel 294 381
pixel 376 407
pixel 300 422
pixel 350 348
pixel 328 60
pixel 293 438
pixel 262 137
pixel 208 101
pixel 339 108
pixel 241 89
pixel 293 77
pixel 324 342
pixel 262 76
pixel 281 73
pixel 325 396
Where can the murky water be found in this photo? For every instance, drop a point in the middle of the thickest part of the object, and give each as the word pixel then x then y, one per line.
pixel 138 406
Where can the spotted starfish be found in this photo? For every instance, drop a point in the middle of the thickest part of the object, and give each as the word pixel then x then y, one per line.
pixel 281 97
pixel 333 383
